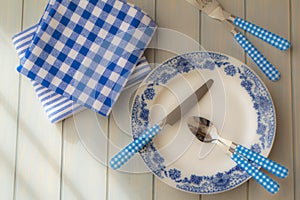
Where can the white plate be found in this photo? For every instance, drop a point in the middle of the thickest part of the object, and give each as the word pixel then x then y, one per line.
pixel 238 103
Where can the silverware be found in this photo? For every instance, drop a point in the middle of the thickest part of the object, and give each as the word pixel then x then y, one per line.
pixel 214 10
pixel 131 149
pixel 206 132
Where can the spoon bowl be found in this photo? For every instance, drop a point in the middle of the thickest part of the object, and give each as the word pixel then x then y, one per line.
pixel 204 130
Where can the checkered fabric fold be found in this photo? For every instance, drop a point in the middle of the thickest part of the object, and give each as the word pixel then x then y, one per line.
pixel 56 106
pixel 85 50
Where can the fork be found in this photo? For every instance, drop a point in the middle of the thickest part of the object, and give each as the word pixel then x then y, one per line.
pixel 214 10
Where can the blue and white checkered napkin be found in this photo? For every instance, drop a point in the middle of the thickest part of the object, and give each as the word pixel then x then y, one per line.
pixel 56 106
pixel 86 50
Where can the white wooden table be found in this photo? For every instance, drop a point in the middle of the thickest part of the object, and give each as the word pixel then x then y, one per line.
pixel 43 161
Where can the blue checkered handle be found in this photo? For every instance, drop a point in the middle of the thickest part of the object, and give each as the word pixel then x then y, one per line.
pixel 267 164
pixel 131 149
pixel 269 70
pixel 263 179
pixel 267 36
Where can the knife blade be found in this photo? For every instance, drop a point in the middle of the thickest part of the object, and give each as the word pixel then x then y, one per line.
pixel 187 104
pixel 131 149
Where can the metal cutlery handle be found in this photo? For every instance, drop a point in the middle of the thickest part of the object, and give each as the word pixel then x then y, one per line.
pixel 131 149
pixel 263 179
pixel 269 70
pixel 263 34
pixel 269 165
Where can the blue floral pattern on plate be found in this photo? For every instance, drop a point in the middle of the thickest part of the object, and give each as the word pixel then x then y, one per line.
pixel 262 103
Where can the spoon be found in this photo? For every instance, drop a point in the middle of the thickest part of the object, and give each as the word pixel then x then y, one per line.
pixel 206 132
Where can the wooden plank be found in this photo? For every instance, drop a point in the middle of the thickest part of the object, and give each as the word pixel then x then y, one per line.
pixel 10 23
pixel 130 185
pixel 235 194
pixel 163 191
pixel 296 91
pixel 215 37
pixel 39 142
pixel 83 177
pixel 176 15
pixel 262 13
pixel 39 149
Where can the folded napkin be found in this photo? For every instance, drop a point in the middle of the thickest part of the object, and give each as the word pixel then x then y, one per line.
pixel 56 106
pixel 86 50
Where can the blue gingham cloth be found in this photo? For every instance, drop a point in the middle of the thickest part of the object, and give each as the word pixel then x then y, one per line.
pixel 86 50
pixel 56 106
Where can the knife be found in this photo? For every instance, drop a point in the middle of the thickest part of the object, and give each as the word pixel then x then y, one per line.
pixel 214 10
pixel 131 149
